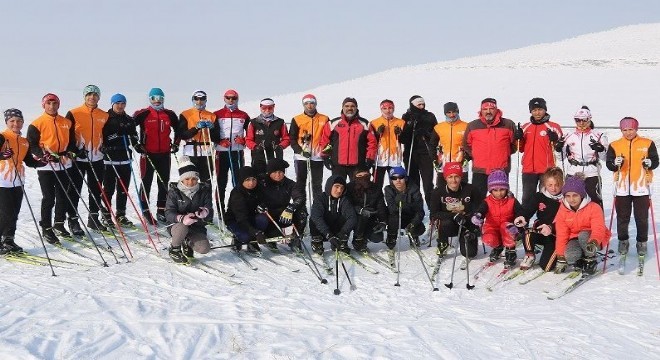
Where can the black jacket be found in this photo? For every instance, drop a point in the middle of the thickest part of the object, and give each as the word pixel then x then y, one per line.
pixel 115 146
pixel 179 204
pixel 277 195
pixel 326 211
pixel 371 199
pixel 412 203
pixel 443 198
pixel 423 122
pixel 242 207
pixel 545 208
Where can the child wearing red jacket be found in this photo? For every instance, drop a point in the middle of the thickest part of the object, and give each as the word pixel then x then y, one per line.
pixel 580 228
pixel 499 209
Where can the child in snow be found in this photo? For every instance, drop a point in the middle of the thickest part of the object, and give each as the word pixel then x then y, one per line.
pixel 632 158
pixel 188 208
pixel 580 228
pixel 499 208
pixel 544 204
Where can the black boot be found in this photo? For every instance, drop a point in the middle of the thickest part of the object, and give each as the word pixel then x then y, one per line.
pixel 360 245
pixel 588 265
pixel 49 235
pixel 495 253
pixel 123 220
pixel 177 255
pixel 187 249
pixel 9 244
pixel 93 223
pixel 60 230
pixel 317 245
pixel 75 228
pixel 443 246
pixel 390 242
pixel 343 246
pixel 146 213
pixel 160 216
pixel 510 258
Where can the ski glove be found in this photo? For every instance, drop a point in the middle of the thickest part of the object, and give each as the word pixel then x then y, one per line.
pixel 48 157
pixel 307 138
pixel 260 237
pixel 618 161
pixel 379 227
pixel 139 148
pixel 202 213
pixel 559 145
pixel 286 218
pixel 460 219
pixel 397 130
pixel 646 163
pixel 544 230
pixel 188 219
pixel 174 148
pixel 591 249
pixel 6 154
pixel 410 229
pixel 306 154
pixel 204 124
pixel 261 209
pixel 366 212
pixel 225 143
pixel 518 133
pixel 512 229
pixel 520 221
pixel 333 240
pixel 553 136
pixel 80 154
pixel 477 219
pixel 596 146
pixel 327 162
pixel 240 140
pixel 381 129
pixel 561 265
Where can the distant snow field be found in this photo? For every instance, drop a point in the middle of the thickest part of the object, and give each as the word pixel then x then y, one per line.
pixel 151 308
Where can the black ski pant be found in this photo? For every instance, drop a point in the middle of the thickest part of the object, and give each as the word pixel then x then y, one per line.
pixel 226 166
pixel 548 257
pixel 594 186
pixel 364 229
pixel 624 205
pixel 530 184
pixel 112 183
pixel 316 168
pixel 480 182
pixel 335 226
pixel 158 164
pixel 11 199
pixel 393 225
pixel 447 228
pixel 379 175
pixel 203 164
pixel 421 166
pixel 80 169
pixel 54 195
pixel 344 170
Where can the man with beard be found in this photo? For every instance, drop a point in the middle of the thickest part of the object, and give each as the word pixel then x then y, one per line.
pixel 369 203
pixel 489 142
pixel 266 135
pixel 536 141
pixel 347 142
pixel 416 138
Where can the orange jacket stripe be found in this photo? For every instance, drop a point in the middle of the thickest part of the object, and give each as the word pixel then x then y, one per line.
pixel 89 130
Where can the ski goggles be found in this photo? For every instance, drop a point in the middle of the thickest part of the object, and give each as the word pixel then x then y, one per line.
pixel 157 98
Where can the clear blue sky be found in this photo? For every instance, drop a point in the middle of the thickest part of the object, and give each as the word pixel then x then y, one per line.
pixel 266 48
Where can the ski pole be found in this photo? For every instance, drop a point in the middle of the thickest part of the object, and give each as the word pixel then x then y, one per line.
pixel 87 206
pixel 453 264
pixel 64 189
pixel 309 254
pixel 609 228
pixel 34 219
pixel 206 136
pixel 337 291
pixel 419 254
pixel 398 249
pixel 655 235
pixel 352 287
pixel 518 163
pixel 412 143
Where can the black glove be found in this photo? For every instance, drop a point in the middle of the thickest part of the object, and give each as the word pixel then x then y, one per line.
pixel 139 148
pixel 596 146
pixel 410 228
pixel 80 153
pixel 369 163
pixel 174 148
pixel 286 218
pixel 258 147
pixel 260 237
pixel 381 129
pixel 460 219
pixel 518 133
pixel 559 145
pixel 277 147
pixel 397 130
pixel 6 154
pixel 366 212
pixel 306 138
pixel 553 136
pixel 306 154
pixel 333 240
pixel 327 162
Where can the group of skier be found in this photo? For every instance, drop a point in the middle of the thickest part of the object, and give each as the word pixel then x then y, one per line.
pixel 419 155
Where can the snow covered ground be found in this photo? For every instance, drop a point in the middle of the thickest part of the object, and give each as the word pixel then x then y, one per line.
pixel 150 308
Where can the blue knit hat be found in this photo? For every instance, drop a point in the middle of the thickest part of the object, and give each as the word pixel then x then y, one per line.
pixel 498 179
pixel 116 98
pixel 398 171
pixel 156 92
pixel 574 184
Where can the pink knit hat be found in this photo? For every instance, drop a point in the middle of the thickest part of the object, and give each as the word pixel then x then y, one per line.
pixel 629 123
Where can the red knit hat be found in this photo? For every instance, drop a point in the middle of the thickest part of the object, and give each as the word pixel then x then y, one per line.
pixel 452 168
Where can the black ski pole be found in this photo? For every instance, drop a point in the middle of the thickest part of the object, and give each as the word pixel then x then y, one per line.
pixel 34 219
pixel 398 249
pixel 353 287
pixel 337 291
pixel 456 251
pixel 309 255
pixel 419 254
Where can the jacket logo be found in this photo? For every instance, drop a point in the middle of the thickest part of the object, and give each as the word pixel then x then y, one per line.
pixel 259 132
pixel 276 133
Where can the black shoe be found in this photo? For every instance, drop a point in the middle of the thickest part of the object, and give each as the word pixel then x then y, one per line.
pixel 60 230
pixel 187 249
pixel 589 265
pixel 10 246
pixel 75 228
pixel 390 242
pixel 253 247
pixel 123 221
pixel 495 253
pixel 148 217
pixel 93 223
pixel 343 246
pixel 317 245
pixel 510 258
pixel 160 216
pixel 177 255
pixel 443 246
pixel 49 236
pixel 360 245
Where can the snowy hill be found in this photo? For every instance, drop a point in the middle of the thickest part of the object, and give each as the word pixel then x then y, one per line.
pixel 151 308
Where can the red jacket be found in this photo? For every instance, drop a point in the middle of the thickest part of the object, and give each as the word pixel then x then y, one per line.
pixel 569 224
pixel 352 142
pixel 538 152
pixel 498 211
pixel 490 145
pixel 155 128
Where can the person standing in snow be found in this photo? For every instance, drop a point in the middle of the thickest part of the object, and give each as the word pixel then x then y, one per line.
pixel 229 136
pixel 418 153
pixel 14 152
pixel 580 228
pixel 305 131
pixel 489 142
pixel 267 136
pixel 195 128
pixel 536 140
pixel 156 126
pixel 447 140
pixel 188 209
pixel 387 129
pixel 583 149
pixel 347 141
pixel 632 159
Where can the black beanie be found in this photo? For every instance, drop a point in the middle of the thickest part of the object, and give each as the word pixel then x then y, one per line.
pixel 276 164
pixel 246 172
pixel 451 106
pixel 537 103
pixel 349 99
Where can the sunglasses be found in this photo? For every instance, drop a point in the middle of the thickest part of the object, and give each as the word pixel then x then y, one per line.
pixel 397 177
pixel 156 98
pixel 200 98
pixel 267 107
pixel 581 120
pixel 361 175
pixel 231 98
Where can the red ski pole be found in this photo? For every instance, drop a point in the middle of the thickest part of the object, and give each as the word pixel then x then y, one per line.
pixel 655 235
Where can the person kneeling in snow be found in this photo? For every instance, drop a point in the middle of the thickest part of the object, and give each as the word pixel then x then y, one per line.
pixel 403 198
pixel 369 204
pixel 332 217
pixel 188 208
pixel 580 227
pixel 242 217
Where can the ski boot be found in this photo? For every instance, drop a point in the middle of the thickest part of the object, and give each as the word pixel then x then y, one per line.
pixel 641 248
pixel 160 216
pixel 343 246
pixel 510 258
pixel 495 253
pixel 623 247
pixel 360 245
pixel 414 240
pixel 75 228
pixel 49 235
pixel 94 223
pixel 60 230
pixel 294 243
pixel 390 242
pixel 317 245
pixel 3 250
pixel 187 249
pixel 588 265
pixel 177 255
pixel 10 246
pixel 443 246
pixel 146 213
pixel 123 221
pixel 528 261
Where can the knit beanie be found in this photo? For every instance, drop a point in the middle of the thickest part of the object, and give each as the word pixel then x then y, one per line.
pixel 498 179
pixel 246 172
pixel 117 98
pixel 187 169
pixel 91 89
pixel 628 123
pixel 451 106
pixel 574 184
pixel 583 114
pixel 10 113
pixel 276 164
pixel 231 92
pixel 156 92
pixel 452 168
pixel 537 103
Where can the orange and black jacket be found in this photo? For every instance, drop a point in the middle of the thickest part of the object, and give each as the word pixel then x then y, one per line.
pixel 88 125
pixel 447 137
pixel 11 166
pixel 302 125
pixel 53 134
pixel 632 178
pixel 155 129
